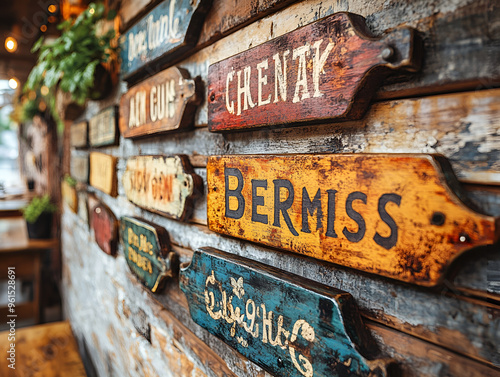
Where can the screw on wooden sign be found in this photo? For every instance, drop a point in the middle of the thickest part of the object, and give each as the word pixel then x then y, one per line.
pixel 288 325
pixel 163 102
pixel 103 173
pixel 147 250
pixel 103 128
pixel 397 215
pixel 79 135
pixel 163 184
pixel 105 228
pixel 327 70
pixel 165 33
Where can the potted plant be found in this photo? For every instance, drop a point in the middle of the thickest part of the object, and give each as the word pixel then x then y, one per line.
pixel 73 63
pixel 38 216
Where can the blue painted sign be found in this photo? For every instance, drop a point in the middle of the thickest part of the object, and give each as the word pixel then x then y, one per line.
pixel 166 32
pixel 147 250
pixel 288 325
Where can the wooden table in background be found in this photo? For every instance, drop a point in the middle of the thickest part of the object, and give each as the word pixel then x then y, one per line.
pixel 48 350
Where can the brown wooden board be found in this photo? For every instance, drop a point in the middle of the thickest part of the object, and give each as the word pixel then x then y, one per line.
pixel 79 135
pixel 165 33
pixel 163 102
pixel 163 184
pixel 147 250
pixel 80 167
pixel 288 325
pixel 103 172
pixel 103 128
pixel 327 70
pixel 105 227
pixel 69 196
pixel 400 216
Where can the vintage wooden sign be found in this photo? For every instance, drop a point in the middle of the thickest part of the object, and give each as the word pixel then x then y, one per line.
pixel 78 135
pixel 147 251
pixel 163 102
pixel 166 32
pixel 69 196
pixel 166 185
pixel 401 216
pixel 103 172
pixel 288 325
pixel 326 70
pixel 103 128
pixel 80 167
pixel 105 228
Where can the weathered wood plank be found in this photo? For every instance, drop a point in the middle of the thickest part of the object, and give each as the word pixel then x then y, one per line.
pixel 166 184
pixel 163 102
pixel 327 70
pixel 79 135
pixel 366 212
pixel 105 227
pixel 103 128
pixel 103 172
pixel 79 166
pixel 147 251
pixel 68 194
pixel 334 338
pixel 167 31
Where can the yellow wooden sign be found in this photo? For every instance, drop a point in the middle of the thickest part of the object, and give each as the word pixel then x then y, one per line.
pixel 103 172
pixel 400 216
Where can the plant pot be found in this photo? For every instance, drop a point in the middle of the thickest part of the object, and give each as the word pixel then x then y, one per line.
pixel 42 227
pixel 102 83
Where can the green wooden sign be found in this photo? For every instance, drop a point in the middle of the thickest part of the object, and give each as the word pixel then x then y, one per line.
pixel 147 250
pixel 288 325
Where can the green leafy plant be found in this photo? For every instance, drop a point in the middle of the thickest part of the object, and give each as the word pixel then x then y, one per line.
pixel 70 180
pixel 70 62
pixel 37 206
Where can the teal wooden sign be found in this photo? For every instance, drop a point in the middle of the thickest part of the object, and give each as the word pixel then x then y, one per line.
pixel 147 250
pixel 166 32
pixel 288 325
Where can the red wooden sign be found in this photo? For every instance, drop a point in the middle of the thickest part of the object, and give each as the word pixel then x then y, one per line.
pixel 326 70
pixel 105 228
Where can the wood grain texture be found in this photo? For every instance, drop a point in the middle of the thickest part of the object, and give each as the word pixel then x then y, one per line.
pixel 326 70
pixel 79 165
pixel 103 128
pixel 105 227
pixel 79 135
pixel 69 196
pixel 399 216
pixel 147 250
pixel 103 172
pixel 231 296
pixel 161 103
pixel 167 31
pixel 166 184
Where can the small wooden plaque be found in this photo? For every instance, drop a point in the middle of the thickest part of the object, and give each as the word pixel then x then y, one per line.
pixel 105 228
pixel 400 216
pixel 165 33
pixel 326 70
pixel 79 135
pixel 163 102
pixel 166 185
pixel 80 168
pixel 103 172
pixel 103 128
pixel 69 196
pixel 147 250
pixel 288 325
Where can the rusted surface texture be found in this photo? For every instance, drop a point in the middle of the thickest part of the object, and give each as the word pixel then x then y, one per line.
pixel 326 70
pixel 105 227
pixel 394 215
pixel 166 184
pixel 161 103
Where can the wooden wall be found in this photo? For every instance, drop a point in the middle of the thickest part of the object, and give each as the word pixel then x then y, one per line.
pixel 452 107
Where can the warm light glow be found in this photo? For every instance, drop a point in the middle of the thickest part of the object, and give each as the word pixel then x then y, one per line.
pixel 44 90
pixel 52 8
pixel 43 28
pixel 13 83
pixel 42 106
pixel 10 44
pixel 32 95
pixel 91 10
pixel 52 19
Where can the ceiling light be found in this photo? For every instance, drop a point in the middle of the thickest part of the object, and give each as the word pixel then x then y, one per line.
pixel 10 44
pixel 13 83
